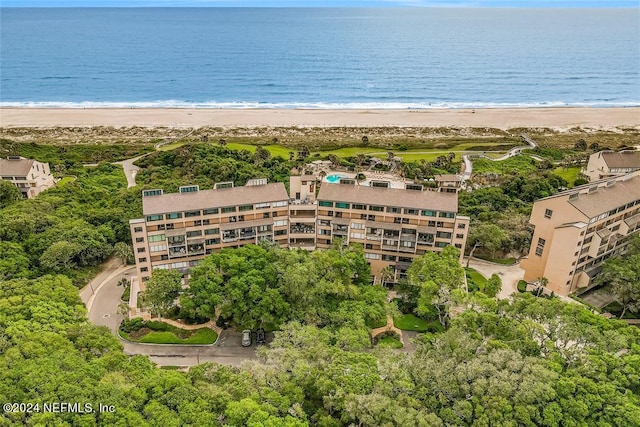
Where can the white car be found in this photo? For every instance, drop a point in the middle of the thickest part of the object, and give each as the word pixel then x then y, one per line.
pixel 246 338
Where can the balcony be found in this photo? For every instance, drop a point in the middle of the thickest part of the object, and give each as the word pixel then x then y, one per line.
pixel 629 224
pixel 301 229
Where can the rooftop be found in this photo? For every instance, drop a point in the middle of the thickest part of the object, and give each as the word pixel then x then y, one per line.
pixel 18 166
pixel 207 199
pixel 444 178
pixel 607 197
pixel 389 197
pixel 623 159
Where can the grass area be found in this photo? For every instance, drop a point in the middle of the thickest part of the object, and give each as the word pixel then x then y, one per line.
pixel 390 342
pixel 427 153
pixel 65 180
pixel 126 294
pixel 409 322
pixel 502 261
pixel 569 174
pixel 173 146
pixel 523 164
pixel 477 278
pixel 169 335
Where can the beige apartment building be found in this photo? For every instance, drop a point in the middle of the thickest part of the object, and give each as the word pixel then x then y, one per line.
pixel 393 225
pixel 179 229
pixel 30 176
pixel 577 230
pixel 607 164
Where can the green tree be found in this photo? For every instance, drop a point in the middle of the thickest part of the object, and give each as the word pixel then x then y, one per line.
pixel 9 194
pixel 162 290
pixel 124 252
pixel 623 276
pixel 60 255
pixel 492 286
pixel 488 236
pixel 13 261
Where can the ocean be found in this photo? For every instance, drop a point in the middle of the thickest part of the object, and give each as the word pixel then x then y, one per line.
pixel 319 57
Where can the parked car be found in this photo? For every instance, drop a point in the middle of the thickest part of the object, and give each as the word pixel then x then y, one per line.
pixel 260 338
pixel 246 338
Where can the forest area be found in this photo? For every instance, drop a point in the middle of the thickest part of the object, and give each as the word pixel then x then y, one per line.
pixel 526 361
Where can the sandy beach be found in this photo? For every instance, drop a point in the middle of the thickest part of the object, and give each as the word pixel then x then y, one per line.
pixel 500 118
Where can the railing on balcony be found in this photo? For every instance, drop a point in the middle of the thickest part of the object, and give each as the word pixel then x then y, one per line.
pixel 302 229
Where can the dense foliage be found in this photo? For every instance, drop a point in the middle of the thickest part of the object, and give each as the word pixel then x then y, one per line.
pixel 622 275
pixel 206 164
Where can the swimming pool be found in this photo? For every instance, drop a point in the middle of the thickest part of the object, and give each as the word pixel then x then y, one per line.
pixel 333 178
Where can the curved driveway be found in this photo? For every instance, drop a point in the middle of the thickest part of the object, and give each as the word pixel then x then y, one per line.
pixel 102 298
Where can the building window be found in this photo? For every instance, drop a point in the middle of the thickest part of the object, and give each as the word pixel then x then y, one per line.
pixel 144 269
pixel 280 223
pixel 428 213
pixel 212 241
pixel 158 248
pixel 443 234
pixel 141 250
pixel 357 226
pixel 157 238
pixel 371 256
pixel 359 207
pixel 210 211
pixel 540 246
pixel 137 230
pixel 212 231
pixel 548 213
pixel 229 209
pixel 245 208
pixel 143 259
pixel 459 236
pixel 462 226
pixel 393 210
pixel 139 239
pixel 441 244
pixel 174 215
pixel 266 215
pixel 408 211
pixel 325 204
pixel 154 218
pixel 447 215
pixel 342 205
pixel 388 257
pixel 191 214
pixel 376 208
pixel 280 232
pixel 279 204
pixel 196 233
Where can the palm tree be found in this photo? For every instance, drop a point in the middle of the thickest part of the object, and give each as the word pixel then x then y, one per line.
pixel 334 160
pixel 360 159
pixel 390 156
pixel 291 155
pixel 387 274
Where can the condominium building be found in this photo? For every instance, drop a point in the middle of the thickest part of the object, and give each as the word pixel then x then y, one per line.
pixel 393 225
pixel 30 176
pixel 577 230
pixel 179 229
pixel 607 164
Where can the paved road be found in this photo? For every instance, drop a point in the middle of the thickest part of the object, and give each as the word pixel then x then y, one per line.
pixel 510 274
pixel 102 297
pixel 130 170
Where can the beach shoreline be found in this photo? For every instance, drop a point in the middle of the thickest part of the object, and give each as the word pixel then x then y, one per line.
pixel 556 118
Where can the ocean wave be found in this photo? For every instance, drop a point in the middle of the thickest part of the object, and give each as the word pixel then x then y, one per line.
pixel 317 105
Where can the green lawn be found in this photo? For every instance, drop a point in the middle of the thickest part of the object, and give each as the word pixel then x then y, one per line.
pixel 505 261
pixel 476 277
pixel 412 155
pixel 409 322
pixel 172 146
pixel 522 164
pixel 198 336
pixel 569 174
pixel 65 180
pixel 389 342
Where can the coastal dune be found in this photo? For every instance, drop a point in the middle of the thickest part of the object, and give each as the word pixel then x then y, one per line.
pixel 559 118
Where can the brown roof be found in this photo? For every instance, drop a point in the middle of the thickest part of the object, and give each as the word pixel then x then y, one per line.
pixel 207 199
pixel 623 159
pixel 607 198
pixel 389 197
pixel 19 167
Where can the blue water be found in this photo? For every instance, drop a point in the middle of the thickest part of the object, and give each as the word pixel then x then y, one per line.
pixel 319 58
pixel 333 178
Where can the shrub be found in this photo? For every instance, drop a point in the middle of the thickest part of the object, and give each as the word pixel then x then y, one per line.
pixel 131 325
pixel 522 286
pixel 158 326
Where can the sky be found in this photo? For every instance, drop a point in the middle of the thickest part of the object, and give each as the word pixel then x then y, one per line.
pixel 320 3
